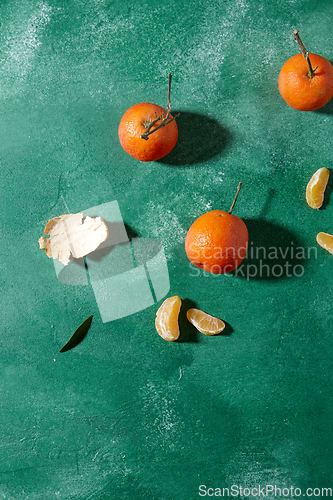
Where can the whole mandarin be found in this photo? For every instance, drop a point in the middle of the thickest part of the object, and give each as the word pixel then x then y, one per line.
pixel 217 241
pixel 134 124
pixel 306 80
pixel 300 91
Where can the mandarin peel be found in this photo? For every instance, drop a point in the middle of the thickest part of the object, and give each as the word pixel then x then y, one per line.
pixel 73 235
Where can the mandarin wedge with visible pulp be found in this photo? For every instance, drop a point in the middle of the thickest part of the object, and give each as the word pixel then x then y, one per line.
pixel 166 321
pixel 316 188
pixel 205 323
pixel 325 240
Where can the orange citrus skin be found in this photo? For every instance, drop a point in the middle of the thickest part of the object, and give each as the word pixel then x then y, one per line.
pixel 301 92
pixel 217 242
pixel 133 125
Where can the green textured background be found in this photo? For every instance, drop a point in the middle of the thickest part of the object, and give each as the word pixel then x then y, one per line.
pixel 126 415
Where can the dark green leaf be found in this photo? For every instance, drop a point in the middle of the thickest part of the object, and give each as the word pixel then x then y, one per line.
pixel 78 336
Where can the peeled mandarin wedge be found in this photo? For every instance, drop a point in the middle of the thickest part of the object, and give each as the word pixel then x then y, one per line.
pixel 325 240
pixel 205 323
pixel 166 321
pixel 316 188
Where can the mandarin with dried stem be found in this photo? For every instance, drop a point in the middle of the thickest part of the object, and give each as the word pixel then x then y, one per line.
pixel 217 241
pixel 148 132
pixel 306 80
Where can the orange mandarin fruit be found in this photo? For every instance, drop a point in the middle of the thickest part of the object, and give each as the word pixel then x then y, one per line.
pixel 217 241
pixel 306 80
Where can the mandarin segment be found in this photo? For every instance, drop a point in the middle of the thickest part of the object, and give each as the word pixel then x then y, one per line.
pixel 316 188
pixel 166 321
pixel 325 240
pixel 205 323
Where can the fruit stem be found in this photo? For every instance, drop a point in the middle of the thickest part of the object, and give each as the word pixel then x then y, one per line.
pixel 169 91
pixel 305 53
pixel 236 196
pixel 164 119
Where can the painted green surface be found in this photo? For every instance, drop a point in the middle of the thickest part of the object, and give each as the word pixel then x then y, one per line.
pixel 126 415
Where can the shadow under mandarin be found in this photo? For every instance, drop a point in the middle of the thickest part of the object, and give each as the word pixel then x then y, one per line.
pixel 200 138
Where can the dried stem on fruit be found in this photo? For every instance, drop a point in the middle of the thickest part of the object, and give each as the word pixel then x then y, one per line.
pixel 305 53
pixel 236 196
pixel 165 119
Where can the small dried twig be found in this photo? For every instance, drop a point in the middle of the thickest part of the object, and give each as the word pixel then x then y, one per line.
pixel 165 119
pixel 305 53
pixel 234 202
